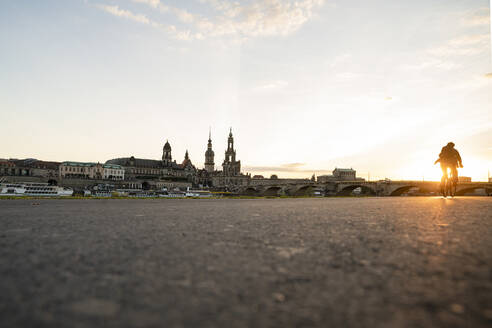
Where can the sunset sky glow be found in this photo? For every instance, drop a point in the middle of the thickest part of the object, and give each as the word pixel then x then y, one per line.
pixel 306 85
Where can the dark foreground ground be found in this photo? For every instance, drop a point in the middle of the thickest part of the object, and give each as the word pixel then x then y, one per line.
pixel 370 262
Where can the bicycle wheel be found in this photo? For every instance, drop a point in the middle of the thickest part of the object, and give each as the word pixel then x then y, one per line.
pixel 443 187
pixel 449 188
pixel 453 186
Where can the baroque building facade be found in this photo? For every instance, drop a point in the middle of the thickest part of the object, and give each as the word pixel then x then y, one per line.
pixel 229 177
pixel 150 169
pixel 28 167
pixel 81 170
pixel 133 172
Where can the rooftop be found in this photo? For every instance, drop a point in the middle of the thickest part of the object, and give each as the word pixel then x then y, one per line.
pixel 91 164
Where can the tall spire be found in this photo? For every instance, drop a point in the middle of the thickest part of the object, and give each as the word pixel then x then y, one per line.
pixel 209 154
pixel 209 138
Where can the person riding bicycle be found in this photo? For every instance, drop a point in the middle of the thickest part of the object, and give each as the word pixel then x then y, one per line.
pixel 449 158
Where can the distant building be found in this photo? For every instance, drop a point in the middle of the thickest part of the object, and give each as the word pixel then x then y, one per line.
pixel 258 176
pixel 339 175
pixel 344 174
pixel 7 167
pixel 230 176
pixel 29 167
pixel 81 170
pixel 113 172
pixel 44 169
pixel 464 179
pixel 150 169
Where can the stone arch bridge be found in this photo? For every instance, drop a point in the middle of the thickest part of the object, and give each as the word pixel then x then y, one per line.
pixel 345 188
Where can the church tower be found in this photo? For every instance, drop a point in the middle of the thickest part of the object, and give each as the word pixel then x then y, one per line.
pixel 209 155
pixel 230 166
pixel 187 165
pixel 230 154
pixel 166 154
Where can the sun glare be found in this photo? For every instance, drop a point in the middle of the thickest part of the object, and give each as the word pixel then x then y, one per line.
pixel 474 168
pixel 423 170
pixel 420 170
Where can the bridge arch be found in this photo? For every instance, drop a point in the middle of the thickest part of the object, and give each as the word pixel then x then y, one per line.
pixel 272 191
pixel 304 191
pixel 401 190
pixel 250 191
pixel 347 190
pixel 468 189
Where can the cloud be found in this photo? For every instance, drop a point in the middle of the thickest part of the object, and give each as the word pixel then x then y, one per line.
pixel 286 168
pixel 116 11
pixel 467 45
pixel 140 18
pixel 480 17
pixel 293 165
pixel 444 55
pixel 282 169
pixel 272 17
pixel 227 8
pixel 152 3
pixel 257 18
pixel 468 40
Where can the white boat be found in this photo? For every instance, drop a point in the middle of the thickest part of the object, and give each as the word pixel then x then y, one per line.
pixel 102 193
pixel 172 194
pixel 143 195
pixel 198 193
pixel 33 189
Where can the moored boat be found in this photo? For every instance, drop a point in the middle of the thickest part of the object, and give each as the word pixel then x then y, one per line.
pixel 33 189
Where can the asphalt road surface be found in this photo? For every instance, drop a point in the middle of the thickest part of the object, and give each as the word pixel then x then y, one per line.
pixel 333 262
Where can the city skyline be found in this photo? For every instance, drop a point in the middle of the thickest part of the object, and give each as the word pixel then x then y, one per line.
pixel 281 171
pixel 307 86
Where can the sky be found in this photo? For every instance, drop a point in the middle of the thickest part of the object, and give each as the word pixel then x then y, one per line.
pixel 306 85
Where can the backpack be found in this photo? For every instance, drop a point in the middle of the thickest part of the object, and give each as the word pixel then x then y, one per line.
pixel 448 155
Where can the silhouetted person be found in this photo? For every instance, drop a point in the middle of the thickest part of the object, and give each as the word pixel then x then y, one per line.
pixel 449 158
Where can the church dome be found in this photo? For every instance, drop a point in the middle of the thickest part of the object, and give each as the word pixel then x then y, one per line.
pixel 167 146
pixel 209 152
